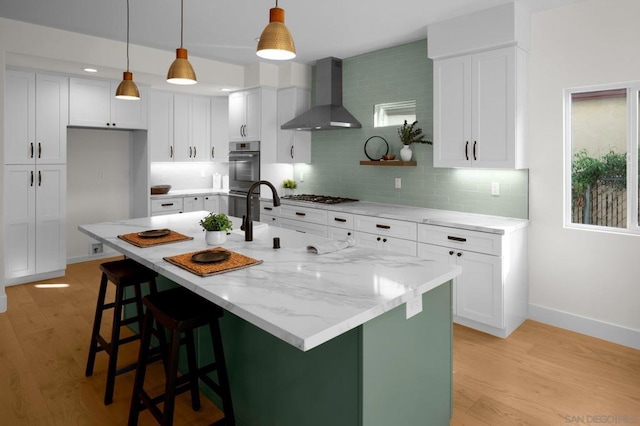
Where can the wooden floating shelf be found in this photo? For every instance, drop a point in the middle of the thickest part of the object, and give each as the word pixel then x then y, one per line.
pixel 389 163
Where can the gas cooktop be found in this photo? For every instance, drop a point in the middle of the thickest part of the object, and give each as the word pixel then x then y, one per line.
pixel 323 199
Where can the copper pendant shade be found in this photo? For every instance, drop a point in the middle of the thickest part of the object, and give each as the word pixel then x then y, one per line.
pixel 181 71
pixel 127 89
pixel 276 41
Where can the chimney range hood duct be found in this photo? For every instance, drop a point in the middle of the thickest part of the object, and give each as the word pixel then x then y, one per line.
pixel 328 113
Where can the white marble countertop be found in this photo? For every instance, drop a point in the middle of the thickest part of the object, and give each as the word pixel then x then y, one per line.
pixel 460 220
pixel 187 192
pixel 302 298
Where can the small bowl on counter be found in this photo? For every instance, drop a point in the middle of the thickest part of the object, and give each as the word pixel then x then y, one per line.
pixel 160 189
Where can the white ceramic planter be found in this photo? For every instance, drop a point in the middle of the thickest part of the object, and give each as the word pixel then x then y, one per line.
pixel 406 153
pixel 215 237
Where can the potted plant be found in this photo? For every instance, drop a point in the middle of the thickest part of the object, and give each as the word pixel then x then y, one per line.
pixel 289 186
pixel 409 134
pixel 216 227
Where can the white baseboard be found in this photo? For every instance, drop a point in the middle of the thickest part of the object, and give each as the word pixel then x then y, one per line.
pixel 107 253
pixel 583 325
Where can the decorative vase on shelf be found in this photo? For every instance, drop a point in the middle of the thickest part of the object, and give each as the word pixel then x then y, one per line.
pixel 405 153
pixel 213 238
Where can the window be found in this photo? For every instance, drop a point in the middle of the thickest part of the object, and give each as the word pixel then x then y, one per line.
pixel 601 158
pixel 394 113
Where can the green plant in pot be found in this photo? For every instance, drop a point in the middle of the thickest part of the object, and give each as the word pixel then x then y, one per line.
pixel 216 227
pixel 410 133
pixel 289 186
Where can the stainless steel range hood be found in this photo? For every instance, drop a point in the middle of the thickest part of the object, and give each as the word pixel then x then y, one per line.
pixel 328 113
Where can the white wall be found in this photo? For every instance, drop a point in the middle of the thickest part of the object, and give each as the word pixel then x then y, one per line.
pixel 97 182
pixel 585 281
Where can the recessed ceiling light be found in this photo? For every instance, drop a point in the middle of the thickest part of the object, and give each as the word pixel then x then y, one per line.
pixel 225 89
pixel 89 69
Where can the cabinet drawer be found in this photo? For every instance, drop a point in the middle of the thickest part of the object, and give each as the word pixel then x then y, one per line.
pixel 481 242
pixel 340 220
pixel 166 206
pixel 387 227
pixel 269 219
pixel 390 244
pixel 304 227
pixel 266 208
pixel 339 234
pixel 305 214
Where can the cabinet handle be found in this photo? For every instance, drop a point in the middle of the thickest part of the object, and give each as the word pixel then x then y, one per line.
pixel 459 254
pixel 291 152
pixel 31 156
pixel 39 178
pixel 300 214
pixel 267 208
pixel 349 233
pixel 167 205
pixel 384 240
pixel 466 150
pixel 195 152
pixel 190 151
pixel 474 150
pixel 108 124
pixel 31 177
pixel 273 218
pixel 170 152
pixel 378 239
pixel 451 252
pixel 39 150
pixel 113 124
pixel 383 226
pixel 339 219
pixel 452 238
pixel 213 155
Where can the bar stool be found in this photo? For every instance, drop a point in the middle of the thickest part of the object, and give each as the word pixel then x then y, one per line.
pixel 180 311
pixel 123 273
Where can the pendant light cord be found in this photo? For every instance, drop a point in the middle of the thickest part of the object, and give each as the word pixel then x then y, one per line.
pixel 127 35
pixel 181 20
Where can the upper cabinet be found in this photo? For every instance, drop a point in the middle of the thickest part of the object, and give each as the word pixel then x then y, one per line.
pixel 160 133
pixel 479 101
pixel 479 88
pixel 252 116
pixel 92 103
pixel 36 121
pixel 219 151
pixel 293 146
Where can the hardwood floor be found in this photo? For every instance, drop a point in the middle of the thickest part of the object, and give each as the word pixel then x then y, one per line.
pixel 540 375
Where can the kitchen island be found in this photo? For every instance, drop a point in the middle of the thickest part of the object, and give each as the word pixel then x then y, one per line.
pixel 318 339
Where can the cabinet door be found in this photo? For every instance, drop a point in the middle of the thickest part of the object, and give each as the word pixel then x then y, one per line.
pixel 19 117
pixel 237 116
pixel 51 190
pixel 452 146
pixel 219 151
pixel 182 151
pixel 193 204
pixel 382 242
pixel 252 115
pixel 19 221
pixel 293 146
pixel 270 219
pixel 479 290
pixel 212 203
pixel 339 234
pixel 200 128
pixel 494 108
pixel 52 118
pixel 160 133
pixel 129 114
pixel 224 204
pixel 90 103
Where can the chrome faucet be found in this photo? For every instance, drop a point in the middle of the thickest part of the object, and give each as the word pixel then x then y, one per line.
pixel 247 224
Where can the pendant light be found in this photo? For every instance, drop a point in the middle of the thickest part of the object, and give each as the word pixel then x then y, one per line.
pixel 127 89
pixel 276 41
pixel 181 71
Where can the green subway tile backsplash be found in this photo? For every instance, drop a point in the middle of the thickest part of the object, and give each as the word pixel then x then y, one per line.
pixel 397 74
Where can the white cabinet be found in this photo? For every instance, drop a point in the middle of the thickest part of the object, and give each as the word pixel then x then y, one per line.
pixel 166 205
pixel 219 151
pixel 304 214
pixel 35 218
pixel 160 133
pixel 191 128
pixel 193 203
pixel 380 242
pixel 224 203
pixel 491 293
pixel 92 103
pixel 212 203
pixel 36 118
pixel 304 227
pixel 293 146
pixel 244 115
pixel 479 109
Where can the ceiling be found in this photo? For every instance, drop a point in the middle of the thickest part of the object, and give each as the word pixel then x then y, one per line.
pixel 226 30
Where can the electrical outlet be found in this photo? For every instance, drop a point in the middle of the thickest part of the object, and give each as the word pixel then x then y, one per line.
pixel 414 306
pixel 96 248
pixel 398 183
pixel 495 188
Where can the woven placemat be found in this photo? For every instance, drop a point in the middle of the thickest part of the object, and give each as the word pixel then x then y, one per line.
pixel 234 262
pixel 139 241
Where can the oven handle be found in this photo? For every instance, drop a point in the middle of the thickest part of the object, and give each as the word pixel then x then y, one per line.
pixel 233 155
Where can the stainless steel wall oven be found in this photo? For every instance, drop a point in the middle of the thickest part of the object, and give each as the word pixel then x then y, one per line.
pixel 244 170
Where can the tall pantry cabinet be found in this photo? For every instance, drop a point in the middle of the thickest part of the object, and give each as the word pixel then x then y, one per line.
pixel 36 118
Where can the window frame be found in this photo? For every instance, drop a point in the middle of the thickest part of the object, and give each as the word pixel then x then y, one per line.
pixel 632 131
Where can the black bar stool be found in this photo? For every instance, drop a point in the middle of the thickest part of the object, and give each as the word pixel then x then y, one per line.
pixel 180 311
pixel 123 273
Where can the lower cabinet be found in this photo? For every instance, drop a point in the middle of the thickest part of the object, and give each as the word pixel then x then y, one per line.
pixel 161 206
pixel 383 242
pixel 304 227
pixel 35 219
pixel 217 203
pixel 194 203
pixel 212 203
